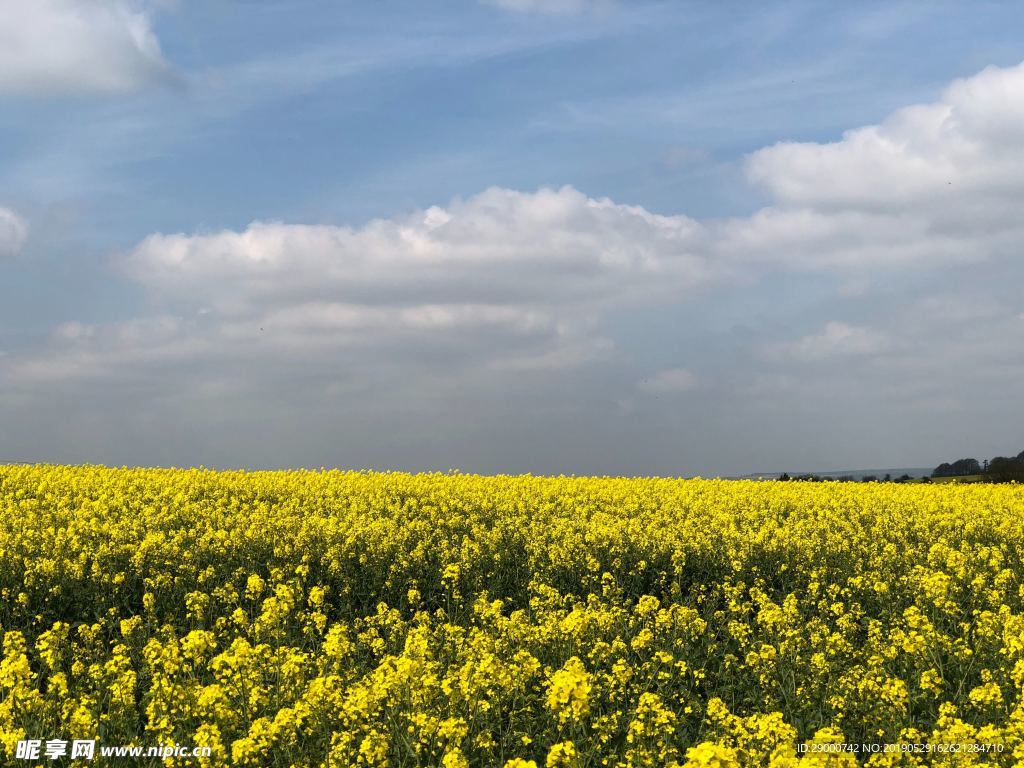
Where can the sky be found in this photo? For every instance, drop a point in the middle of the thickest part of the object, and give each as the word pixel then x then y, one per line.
pixel 614 237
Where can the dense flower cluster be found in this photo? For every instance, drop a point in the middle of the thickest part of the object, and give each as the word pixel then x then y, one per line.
pixel 381 619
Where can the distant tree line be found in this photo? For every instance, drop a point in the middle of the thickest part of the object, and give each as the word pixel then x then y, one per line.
pixel 959 468
pixel 812 478
pixel 1005 469
pixel 1001 469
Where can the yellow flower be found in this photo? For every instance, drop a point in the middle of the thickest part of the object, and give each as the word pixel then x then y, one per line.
pixel 562 755
pixel 347 619
pixel 986 695
pixel 709 755
pixel 254 586
pixel 569 691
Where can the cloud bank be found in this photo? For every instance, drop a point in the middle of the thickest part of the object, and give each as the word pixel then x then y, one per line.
pixel 514 280
pixel 932 184
pixel 504 279
pixel 513 293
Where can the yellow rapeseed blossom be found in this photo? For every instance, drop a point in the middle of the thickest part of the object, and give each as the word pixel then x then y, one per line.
pixel 327 619
pixel 569 691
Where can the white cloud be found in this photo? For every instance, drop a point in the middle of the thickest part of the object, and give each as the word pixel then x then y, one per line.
pixel 969 141
pixel 505 280
pixel 836 339
pixel 671 381
pixel 49 46
pixel 544 6
pixel 499 247
pixel 932 183
pixel 13 231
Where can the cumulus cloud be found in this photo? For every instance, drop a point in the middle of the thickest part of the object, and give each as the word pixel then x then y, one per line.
pixel 969 141
pixel 13 231
pixel 671 381
pixel 512 281
pixel 49 46
pixel 499 247
pixel 937 183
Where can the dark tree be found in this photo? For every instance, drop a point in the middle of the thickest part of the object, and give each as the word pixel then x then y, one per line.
pixel 1003 469
pixel 958 468
pixel 963 467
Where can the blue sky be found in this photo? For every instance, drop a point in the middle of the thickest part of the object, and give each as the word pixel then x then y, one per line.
pixel 519 235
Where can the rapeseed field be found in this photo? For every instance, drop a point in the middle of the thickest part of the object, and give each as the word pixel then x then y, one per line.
pixel 326 618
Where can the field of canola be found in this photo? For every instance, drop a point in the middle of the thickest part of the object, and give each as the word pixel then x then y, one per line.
pixel 381 619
